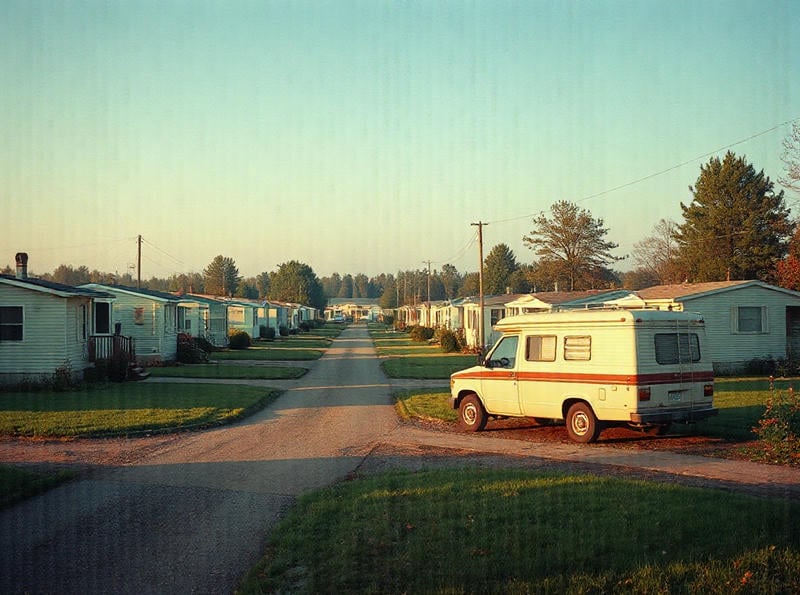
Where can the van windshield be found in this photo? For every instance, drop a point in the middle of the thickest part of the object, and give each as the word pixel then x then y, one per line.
pixel 504 354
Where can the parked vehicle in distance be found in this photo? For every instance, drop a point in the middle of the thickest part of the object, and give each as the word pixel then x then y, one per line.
pixel 592 369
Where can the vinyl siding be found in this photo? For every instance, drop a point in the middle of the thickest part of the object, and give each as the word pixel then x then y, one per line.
pixel 51 334
pixel 733 348
pixel 155 331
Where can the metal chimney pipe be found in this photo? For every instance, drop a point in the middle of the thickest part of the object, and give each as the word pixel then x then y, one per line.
pixel 22 265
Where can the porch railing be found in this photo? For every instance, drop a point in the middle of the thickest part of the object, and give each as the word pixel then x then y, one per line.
pixel 111 346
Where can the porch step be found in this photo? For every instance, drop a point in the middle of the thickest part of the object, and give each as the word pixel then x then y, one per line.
pixel 136 372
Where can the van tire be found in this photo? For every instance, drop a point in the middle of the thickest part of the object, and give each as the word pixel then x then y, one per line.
pixel 471 414
pixel 582 424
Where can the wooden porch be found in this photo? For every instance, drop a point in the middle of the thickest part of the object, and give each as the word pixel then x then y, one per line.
pixel 108 347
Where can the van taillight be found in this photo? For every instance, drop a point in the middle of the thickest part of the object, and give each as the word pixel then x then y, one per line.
pixel 644 394
pixel 708 390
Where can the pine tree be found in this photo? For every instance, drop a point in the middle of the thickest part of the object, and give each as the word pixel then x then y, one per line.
pixel 498 267
pixel 221 276
pixel 736 227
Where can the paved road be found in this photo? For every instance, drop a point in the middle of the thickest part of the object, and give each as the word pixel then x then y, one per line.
pixel 190 513
pixel 193 516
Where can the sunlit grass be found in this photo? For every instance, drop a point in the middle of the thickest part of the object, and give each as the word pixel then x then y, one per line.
pixel 127 408
pixel 425 404
pixel 438 366
pixel 507 531
pixel 260 352
pixel 229 371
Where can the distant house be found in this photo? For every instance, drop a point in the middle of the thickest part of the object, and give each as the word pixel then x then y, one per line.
pixel 44 327
pixel 149 317
pixel 545 301
pixel 243 315
pixel 745 320
pixel 203 316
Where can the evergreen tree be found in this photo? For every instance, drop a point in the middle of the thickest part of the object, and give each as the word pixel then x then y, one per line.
pixel 736 227
pixel 296 282
pixel 498 268
pixel 221 277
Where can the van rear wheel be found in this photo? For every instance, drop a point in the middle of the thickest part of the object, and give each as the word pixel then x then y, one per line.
pixel 471 414
pixel 582 424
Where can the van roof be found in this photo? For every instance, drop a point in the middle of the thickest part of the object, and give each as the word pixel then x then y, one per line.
pixel 595 316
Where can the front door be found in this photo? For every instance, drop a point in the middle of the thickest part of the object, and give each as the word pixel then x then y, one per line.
pixel 499 383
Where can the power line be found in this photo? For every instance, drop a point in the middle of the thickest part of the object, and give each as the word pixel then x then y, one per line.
pixel 664 171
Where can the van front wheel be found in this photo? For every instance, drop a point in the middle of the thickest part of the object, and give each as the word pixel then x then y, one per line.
pixel 471 414
pixel 582 425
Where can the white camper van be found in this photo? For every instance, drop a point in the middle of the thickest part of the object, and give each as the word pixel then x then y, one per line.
pixel 592 369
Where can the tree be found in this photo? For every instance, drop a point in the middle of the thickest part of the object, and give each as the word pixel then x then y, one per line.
pixel 736 227
pixel 296 282
pixel 498 267
pixel 791 158
pixel 221 276
pixel 389 297
pixel 346 287
pixel 331 285
pixel 262 283
pixel 571 241
pixel 656 255
pixel 247 288
pixel 451 281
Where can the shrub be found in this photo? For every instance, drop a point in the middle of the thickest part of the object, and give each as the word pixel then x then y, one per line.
pixel 204 344
pixel 304 326
pixel 283 330
pixel 778 429
pixel 189 352
pixel 238 339
pixel 449 342
pixel 267 333
pixel 420 334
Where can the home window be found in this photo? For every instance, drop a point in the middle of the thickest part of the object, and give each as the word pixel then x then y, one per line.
pixel 10 323
pixel 677 348
pixel 497 315
pixel 749 319
pixel 540 348
pixel 138 315
pixel 578 348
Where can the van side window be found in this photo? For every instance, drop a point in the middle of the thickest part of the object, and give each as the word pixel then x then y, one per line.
pixel 677 348
pixel 578 348
pixel 540 348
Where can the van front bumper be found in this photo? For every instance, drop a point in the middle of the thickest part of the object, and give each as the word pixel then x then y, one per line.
pixel 673 415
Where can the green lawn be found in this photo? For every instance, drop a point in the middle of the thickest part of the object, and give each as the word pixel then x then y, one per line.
pixel 271 353
pixel 127 408
pixel 518 531
pixel 229 371
pixel 438 366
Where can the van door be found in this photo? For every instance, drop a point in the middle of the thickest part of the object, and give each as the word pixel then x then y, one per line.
pixel 499 380
pixel 536 377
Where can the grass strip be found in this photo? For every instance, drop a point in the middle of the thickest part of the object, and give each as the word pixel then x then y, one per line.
pixel 267 354
pixel 426 367
pixel 229 371
pixel 17 484
pixel 128 409
pixel 518 531
pixel 429 403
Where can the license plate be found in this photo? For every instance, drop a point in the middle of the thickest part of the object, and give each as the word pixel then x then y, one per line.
pixel 675 395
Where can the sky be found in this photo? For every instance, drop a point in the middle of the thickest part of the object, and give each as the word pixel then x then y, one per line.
pixel 368 137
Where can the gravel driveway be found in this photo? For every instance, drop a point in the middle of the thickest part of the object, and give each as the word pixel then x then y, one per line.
pixel 190 513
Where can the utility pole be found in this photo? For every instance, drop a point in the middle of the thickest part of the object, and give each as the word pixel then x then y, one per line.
pixel 481 335
pixel 430 322
pixel 139 263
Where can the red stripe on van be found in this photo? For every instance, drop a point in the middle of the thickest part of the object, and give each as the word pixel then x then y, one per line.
pixel 625 379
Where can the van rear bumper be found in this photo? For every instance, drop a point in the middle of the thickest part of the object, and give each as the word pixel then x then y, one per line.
pixel 673 415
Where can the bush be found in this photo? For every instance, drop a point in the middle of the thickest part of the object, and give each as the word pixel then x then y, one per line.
pixel 204 344
pixel 778 429
pixel 283 330
pixel 420 334
pixel 304 326
pixel 238 339
pixel 448 341
pixel 189 352
pixel 267 332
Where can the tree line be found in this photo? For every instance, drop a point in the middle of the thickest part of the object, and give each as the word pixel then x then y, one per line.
pixel 735 227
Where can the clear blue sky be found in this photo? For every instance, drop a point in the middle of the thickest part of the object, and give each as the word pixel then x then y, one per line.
pixel 365 137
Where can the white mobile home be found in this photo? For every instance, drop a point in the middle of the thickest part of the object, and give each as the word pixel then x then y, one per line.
pixel 745 320
pixel 44 327
pixel 149 317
